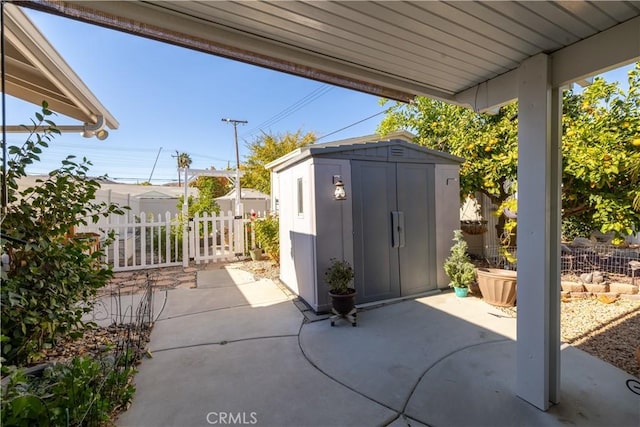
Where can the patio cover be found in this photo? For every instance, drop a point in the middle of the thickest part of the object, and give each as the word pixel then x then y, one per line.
pixel 35 71
pixel 479 54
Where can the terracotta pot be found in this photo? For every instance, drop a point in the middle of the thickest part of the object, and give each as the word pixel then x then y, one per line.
pixel 343 304
pixel 498 287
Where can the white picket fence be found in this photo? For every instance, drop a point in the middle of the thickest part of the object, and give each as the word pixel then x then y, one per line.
pixel 148 242
pixel 212 237
pixel 153 241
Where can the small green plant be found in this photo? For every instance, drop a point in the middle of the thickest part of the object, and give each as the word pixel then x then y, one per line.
pixel 458 266
pixel 268 236
pixel 339 276
pixel 85 391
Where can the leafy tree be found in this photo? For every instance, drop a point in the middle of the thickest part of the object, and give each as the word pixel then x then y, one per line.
pixel 266 148
pixel 601 151
pixel 209 187
pixel 49 273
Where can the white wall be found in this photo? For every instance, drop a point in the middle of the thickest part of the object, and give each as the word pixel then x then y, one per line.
pixel 122 200
pixel 297 231
pixel 258 205
pixel 158 206
pixel 323 231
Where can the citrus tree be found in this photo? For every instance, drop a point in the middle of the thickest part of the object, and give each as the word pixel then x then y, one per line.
pixel 601 156
pixel 601 151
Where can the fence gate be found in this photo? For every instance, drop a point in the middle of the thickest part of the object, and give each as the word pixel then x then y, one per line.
pixel 212 237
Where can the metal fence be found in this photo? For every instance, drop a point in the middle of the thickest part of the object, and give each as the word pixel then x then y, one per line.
pixel 576 260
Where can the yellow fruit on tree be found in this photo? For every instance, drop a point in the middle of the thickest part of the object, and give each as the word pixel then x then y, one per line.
pixel 636 142
pixel 617 241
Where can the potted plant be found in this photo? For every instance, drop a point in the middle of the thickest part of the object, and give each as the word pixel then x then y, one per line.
pixel 458 266
pixel 339 276
pixel 499 285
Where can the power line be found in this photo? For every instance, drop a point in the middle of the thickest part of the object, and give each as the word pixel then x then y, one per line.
pixel 303 102
pixel 155 163
pixel 353 124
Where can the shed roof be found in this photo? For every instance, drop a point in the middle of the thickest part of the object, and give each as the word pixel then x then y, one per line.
pixel 245 194
pixel 156 195
pixel 396 146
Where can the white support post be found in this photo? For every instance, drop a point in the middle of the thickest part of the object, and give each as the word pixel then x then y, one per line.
pixel 555 238
pixel 539 180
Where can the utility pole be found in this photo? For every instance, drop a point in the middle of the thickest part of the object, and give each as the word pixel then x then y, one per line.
pixel 238 210
pixel 154 165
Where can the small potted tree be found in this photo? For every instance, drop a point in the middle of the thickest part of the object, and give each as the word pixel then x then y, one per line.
pixel 458 266
pixel 339 276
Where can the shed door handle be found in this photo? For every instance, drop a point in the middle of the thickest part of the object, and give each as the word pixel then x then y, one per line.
pixel 397 229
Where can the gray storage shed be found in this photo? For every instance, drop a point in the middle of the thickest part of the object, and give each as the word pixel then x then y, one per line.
pixel 395 226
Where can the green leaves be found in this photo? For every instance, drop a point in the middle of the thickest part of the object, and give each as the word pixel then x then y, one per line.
pixel 268 236
pixel 50 274
pixel 601 150
pixel 266 148
pixel 83 392
pixel 458 266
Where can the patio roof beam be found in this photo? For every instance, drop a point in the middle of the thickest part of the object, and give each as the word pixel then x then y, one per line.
pixel 595 56
pixel 577 62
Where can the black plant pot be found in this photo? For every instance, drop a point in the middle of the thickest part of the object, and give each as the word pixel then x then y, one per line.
pixel 343 304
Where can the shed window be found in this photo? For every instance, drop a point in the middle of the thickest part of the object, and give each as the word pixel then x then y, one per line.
pixel 300 198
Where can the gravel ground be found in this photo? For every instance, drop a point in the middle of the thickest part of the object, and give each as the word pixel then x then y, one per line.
pixel 610 332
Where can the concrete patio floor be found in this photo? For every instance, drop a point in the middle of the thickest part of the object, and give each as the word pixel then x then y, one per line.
pixel 236 350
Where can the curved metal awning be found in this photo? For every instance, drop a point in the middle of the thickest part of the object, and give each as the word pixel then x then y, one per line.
pixel 35 71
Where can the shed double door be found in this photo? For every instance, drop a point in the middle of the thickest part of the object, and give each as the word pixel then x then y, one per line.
pixel 394 252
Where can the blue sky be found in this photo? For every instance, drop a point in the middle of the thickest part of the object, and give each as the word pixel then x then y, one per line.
pixel 168 98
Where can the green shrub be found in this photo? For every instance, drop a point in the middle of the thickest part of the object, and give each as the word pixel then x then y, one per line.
pixel 51 278
pixel 268 236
